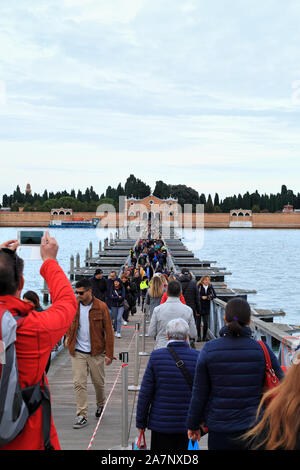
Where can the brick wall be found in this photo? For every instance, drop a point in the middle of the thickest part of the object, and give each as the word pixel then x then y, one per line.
pixel 42 219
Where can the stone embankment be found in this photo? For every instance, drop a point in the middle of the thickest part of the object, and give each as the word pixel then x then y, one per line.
pixel 260 220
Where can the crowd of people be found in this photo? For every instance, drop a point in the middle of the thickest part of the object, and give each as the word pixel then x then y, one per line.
pixel 184 393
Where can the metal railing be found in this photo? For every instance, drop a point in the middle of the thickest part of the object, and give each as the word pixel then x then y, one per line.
pixel 282 344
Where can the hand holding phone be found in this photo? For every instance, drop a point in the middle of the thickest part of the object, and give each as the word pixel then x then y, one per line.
pixel 49 247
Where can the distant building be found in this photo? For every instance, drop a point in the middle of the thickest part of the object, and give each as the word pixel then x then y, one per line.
pixel 151 206
pixel 61 211
pixel 288 208
pixel 241 218
pixel 240 213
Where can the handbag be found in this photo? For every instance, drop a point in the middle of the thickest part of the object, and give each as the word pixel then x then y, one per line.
pixel 137 444
pixel 271 380
pixel 192 446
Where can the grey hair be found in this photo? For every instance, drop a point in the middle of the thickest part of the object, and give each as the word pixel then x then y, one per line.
pixel 177 328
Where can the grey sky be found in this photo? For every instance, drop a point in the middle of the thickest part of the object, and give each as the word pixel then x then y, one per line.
pixel 199 93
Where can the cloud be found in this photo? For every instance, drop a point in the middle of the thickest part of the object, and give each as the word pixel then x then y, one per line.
pixel 2 93
pixel 118 11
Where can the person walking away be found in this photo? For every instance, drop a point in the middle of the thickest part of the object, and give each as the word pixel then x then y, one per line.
pixel 191 295
pixel 229 381
pixel 207 294
pixel 171 309
pixel 99 286
pixel 278 422
pixel 154 294
pixel 90 342
pixel 165 393
pixel 37 332
pixel 117 297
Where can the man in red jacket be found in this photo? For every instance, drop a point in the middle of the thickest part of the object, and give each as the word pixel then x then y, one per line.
pixel 39 331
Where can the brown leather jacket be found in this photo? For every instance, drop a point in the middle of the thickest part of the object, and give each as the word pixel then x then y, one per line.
pixel 101 330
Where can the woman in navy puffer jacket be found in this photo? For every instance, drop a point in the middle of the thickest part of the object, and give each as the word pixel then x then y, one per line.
pixel 165 395
pixel 229 381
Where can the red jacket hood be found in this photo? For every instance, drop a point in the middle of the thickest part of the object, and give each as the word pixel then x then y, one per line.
pixel 16 306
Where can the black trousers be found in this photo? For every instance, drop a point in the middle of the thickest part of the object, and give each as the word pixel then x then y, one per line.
pixel 164 442
pixel 204 319
pixel 227 441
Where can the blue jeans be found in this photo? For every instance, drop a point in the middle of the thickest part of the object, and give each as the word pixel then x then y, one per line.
pixel 116 315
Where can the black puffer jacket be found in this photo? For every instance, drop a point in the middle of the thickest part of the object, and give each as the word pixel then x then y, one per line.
pixel 99 288
pixel 190 293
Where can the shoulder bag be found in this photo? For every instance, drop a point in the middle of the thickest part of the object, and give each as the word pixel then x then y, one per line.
pixel 271 380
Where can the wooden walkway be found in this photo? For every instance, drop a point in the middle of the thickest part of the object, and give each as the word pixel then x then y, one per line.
pixel 109 434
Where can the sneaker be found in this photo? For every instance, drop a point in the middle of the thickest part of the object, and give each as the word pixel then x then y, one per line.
pixel 124 323
pixel 118 335
pixel 80 422
pixel 99 411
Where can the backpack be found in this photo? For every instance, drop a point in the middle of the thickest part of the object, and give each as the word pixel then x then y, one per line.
pixel 17 404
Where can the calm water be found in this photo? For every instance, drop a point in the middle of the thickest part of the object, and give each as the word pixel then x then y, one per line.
pixel 265 260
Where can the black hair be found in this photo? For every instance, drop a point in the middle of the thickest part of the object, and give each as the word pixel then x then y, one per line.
pixel 33 297
pixel 85 283
pixel 237 314
pixel 174 289
pixel 11 270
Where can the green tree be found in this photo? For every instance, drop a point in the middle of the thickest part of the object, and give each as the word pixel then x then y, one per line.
pixel 255 208
pixel 161 190
pixel 209 207
pixel 216 200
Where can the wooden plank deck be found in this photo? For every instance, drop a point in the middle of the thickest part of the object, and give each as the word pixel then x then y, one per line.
pixel 109 434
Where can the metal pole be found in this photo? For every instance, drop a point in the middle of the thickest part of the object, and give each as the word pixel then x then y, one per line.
pixel 143 335
pixel 100 246
pixel 87 257
pixel 124 359
pixel 72 268
pixel 135 387
pixel 45 293
pixel 77 261
pixel 91 250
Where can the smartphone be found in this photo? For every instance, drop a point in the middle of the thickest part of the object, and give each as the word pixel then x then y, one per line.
pixel 30 237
